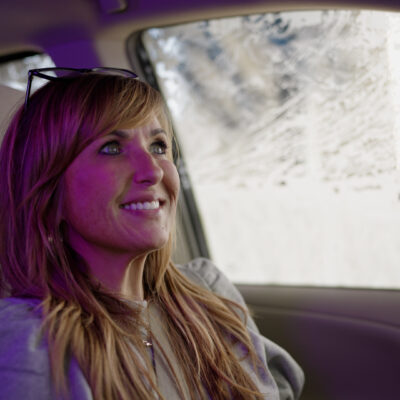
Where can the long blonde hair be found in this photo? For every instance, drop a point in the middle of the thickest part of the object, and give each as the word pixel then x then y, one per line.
pixel 80 318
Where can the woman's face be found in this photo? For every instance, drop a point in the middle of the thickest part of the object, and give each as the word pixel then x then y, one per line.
pixel 121 193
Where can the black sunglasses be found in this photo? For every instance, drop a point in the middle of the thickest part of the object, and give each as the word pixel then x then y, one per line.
pixel 65 73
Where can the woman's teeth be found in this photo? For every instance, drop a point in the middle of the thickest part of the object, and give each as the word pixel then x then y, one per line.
pixel 147 205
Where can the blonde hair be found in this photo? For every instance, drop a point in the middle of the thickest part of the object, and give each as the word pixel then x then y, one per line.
pixel 80 318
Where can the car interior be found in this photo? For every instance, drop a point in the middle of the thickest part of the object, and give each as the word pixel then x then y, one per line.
pixel 287 120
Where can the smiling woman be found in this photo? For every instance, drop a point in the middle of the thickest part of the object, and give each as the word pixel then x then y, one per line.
pixel 96 308
pixel 120 201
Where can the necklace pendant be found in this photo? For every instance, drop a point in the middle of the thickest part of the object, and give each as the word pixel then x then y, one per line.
pixel 147 343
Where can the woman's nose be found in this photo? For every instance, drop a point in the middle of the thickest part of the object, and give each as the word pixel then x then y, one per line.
pixel 146 169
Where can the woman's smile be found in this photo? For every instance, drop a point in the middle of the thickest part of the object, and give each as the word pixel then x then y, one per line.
pixel 147 205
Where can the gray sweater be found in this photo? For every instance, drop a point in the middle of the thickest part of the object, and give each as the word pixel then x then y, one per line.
pixel 24 361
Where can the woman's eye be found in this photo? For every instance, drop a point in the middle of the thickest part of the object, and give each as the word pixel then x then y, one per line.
pixel 159 147
pixel 111 148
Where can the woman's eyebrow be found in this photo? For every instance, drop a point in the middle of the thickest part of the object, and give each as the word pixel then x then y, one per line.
pixel 124 135
pixel 156 131
pixel 120 134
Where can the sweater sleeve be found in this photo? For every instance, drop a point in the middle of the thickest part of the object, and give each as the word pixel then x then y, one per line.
pixel 287 374
pixel 24 357
pixel 24 364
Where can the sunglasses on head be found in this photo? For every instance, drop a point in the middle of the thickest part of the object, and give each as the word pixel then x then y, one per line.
pixel 56 73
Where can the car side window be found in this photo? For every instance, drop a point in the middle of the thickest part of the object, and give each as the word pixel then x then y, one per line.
pixel 289 124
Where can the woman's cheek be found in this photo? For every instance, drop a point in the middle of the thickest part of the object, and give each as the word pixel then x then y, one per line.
pixel 172 178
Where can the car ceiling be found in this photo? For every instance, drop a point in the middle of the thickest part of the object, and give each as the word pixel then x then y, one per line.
pixel 38 24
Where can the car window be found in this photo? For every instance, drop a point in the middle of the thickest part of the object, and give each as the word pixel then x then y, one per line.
pixel 289 124
pixel 14 70
pixel 13 79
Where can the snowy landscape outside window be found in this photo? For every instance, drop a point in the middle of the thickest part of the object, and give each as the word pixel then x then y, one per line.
pixel 289 124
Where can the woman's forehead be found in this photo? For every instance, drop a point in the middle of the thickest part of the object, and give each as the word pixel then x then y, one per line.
pixel 153 124
pixel 149 130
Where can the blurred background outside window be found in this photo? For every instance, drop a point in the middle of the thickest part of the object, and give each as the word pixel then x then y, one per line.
pixel 13 79
pixel 289 125
pixel 14 73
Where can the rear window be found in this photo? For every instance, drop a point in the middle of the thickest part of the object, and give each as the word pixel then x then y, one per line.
pixel 13 79
pixel 14 70
pixel 289 124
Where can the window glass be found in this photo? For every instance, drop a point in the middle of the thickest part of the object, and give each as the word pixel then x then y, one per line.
pixel 14 73
pixel 289 124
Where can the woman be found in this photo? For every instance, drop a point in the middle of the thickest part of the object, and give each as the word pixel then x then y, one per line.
pixel 96 308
